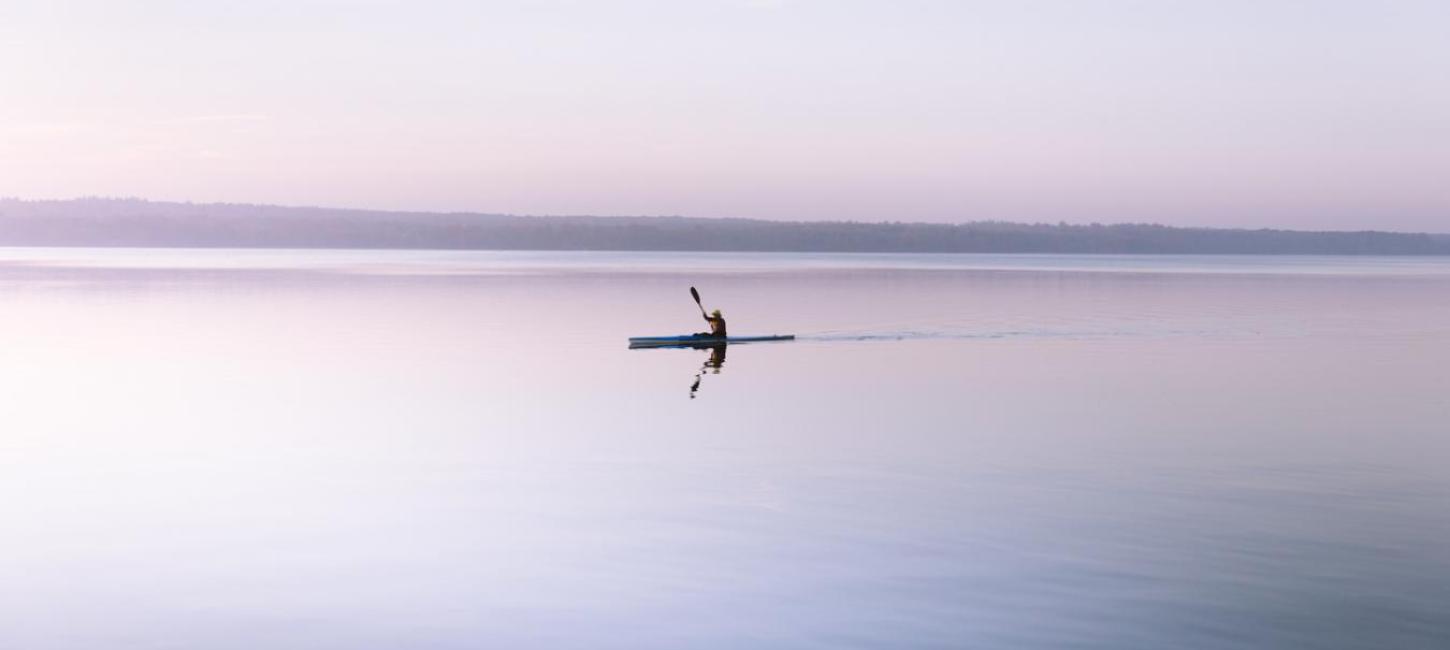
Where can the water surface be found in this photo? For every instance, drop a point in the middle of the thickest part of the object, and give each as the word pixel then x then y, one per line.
pixel 383 449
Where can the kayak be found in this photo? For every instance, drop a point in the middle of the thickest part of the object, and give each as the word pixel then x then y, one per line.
pixel 694 341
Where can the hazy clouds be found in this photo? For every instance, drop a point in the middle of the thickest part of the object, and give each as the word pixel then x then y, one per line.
pixel 1295 114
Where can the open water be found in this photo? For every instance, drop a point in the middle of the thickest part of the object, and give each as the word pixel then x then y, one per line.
pixel 402 449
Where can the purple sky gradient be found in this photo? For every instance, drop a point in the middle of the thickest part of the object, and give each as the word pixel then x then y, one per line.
pixel 1305 114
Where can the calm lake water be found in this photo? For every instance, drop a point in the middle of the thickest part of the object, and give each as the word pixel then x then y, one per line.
pixel 344 449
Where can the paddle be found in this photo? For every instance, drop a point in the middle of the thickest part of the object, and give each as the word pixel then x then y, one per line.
pixel 696 294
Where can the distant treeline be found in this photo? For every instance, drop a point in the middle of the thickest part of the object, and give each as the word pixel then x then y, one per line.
pixel 134 222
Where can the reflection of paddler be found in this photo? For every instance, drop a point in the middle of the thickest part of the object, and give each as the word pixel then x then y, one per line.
pixel 717 357
pixel 711 365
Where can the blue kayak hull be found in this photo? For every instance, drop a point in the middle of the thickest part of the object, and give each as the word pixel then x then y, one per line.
pixel 701 341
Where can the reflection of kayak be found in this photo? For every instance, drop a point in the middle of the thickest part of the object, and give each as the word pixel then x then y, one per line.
pixel 701 341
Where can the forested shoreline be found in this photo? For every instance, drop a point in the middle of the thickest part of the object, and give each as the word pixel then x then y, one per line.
pixel 135 222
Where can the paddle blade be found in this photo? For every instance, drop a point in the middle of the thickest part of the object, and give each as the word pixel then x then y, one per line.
pixel 696 294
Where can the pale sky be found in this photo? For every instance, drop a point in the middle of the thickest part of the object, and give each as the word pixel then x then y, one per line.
pixel 1278 113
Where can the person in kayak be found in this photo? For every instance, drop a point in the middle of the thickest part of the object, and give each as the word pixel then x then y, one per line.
pixel 717 324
